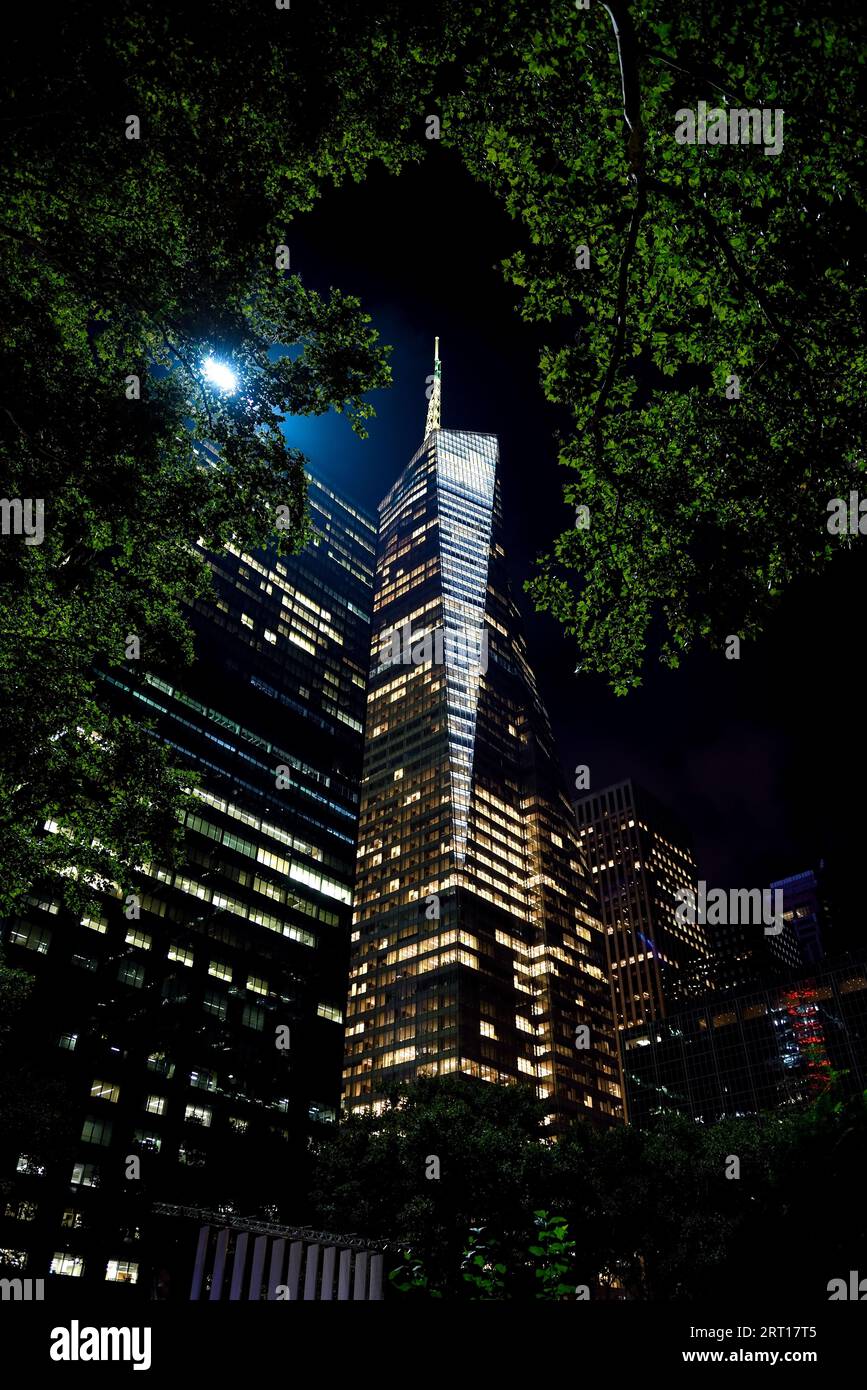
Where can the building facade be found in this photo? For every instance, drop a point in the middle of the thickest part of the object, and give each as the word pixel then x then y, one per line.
pixel 751 1050
pixel 640 857
pixel 476 946
pixel 196 1024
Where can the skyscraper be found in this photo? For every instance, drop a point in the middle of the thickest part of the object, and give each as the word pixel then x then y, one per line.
pixel 639 857
pixel 476 945
pixel 199 1030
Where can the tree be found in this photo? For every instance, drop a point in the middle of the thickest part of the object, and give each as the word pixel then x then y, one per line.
pixel 128 261
pixel 709 338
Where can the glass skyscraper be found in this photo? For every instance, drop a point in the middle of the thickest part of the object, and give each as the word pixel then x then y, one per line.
pixel 202 1035
pixel 476 945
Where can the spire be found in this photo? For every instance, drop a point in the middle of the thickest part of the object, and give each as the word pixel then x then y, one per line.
pixel 433 409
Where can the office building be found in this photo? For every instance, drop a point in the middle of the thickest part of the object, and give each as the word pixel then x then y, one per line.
pixel 639 857
pixel 197 1030
pixel 752 1050
pixel 476 945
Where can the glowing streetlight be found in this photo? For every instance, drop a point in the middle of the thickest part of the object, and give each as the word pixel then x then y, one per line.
pixel 221 375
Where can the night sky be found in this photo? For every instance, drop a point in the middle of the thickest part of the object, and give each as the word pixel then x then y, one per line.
pixel 760 757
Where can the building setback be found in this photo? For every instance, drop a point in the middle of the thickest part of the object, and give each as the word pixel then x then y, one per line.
pixel 202 1035
pixel 476 945
pixel 639 856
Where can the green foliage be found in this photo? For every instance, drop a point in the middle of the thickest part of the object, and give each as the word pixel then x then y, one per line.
pixel 705 262
pixel 554 1252
pixel 640 1214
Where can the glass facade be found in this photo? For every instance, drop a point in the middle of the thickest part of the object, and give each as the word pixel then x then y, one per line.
pixel 201 1029
pixel 476 945
pixel 751 1051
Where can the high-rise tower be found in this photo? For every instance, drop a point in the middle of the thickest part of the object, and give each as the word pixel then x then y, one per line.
pixel 476 944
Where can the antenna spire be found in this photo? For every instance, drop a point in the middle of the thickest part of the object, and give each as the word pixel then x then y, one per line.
pixel 433 409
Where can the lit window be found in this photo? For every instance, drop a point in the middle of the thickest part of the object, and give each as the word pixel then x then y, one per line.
pixel 204 1080
pixel 72 1219
pixel 239 1126
pixel 99 924
pixel 181 954
pixel 147 1141
pixel 85 1175
pixel 134 937
pixel 71 1265
pixel 159 1062
pixel 21 1211
pixel 330 1012
pixel 256 985
pixel 13 1259
pixel 31 938
pixel 220 970
pixel 105 1090
pixel 246 620
pixel 28 1165
pixel 67 1041
pixel 155 1105
pixel 121 1272
pixel 270 636
pixel 198 1115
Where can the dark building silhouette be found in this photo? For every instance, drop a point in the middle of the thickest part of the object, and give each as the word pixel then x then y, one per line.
pixel 197 1025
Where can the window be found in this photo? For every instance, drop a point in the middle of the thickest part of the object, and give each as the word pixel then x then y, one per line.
pixel 105 1090
pixel 134 937
pixel 85 1175
pixel 159 1062
pixel 258 986
pixel 205 1080
pixel 131 974
pixel 193 1158
pixel 96 1131
pixel 121 1272
pixel 20 1211
pixel 155 1105
pixel 239 1126
pixel 13 1259
pixel 254 1017
pixel 329 1011
pixel 84 962
pixel 28 1165
pixel 31 938
pixel 67 1041
pixel 147 1141
pixel 198 1115
pixel 72 1219
pixel 99 924
pixel 181 954
pixel 71 1265
pixel 215 1004
pixel 219 969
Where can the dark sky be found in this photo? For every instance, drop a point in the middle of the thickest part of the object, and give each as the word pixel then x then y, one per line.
pixel 760 756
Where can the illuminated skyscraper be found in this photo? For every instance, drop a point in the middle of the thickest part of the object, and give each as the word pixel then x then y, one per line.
pixel 476 945
pixel 639 856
